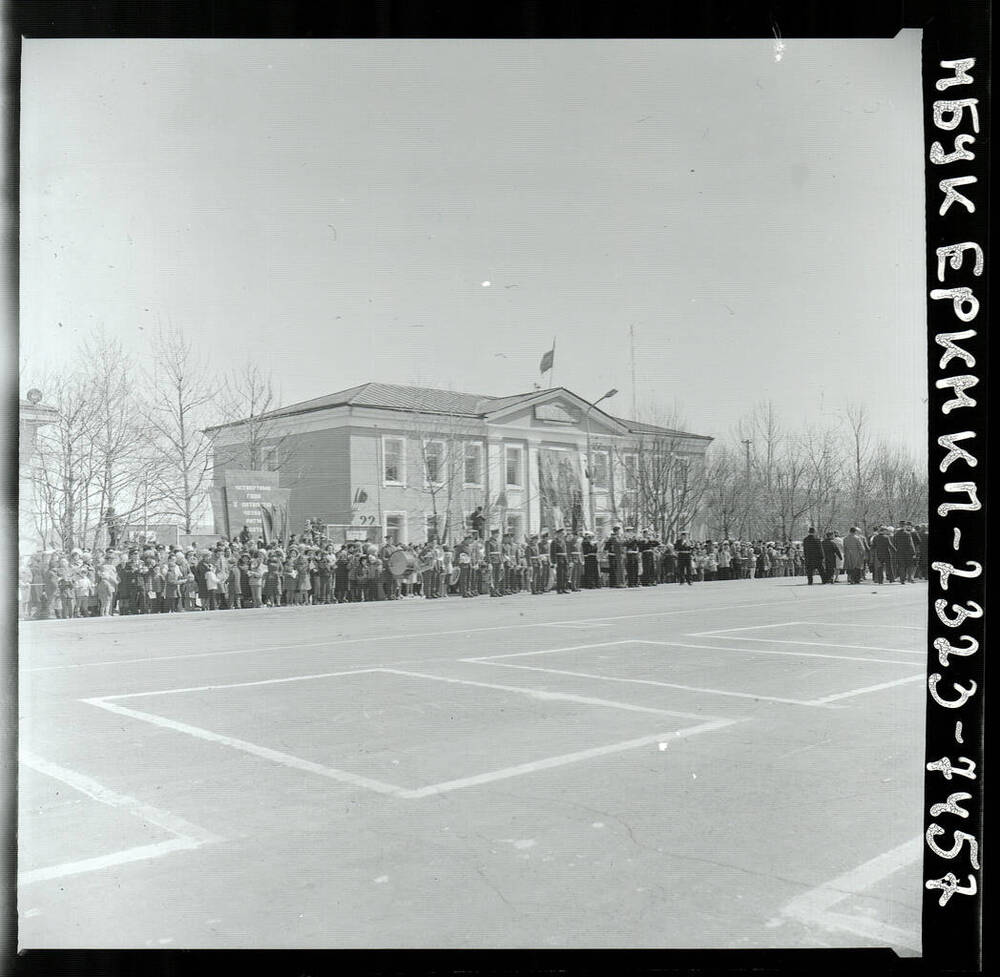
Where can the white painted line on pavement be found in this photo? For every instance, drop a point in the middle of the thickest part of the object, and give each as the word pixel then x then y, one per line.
pixel 149 659
pixel 549 651
pixel 816 644
pixel 681 644
pixel 870 688
pixel 141 853
pixel 560 761
pixel 285 759
pixel 232 685
pixel 883 933
pixel 146 812
pixel 861 624
pixel 709 723
pixel 644 681
pixel 750 627
pixel 549 696
pixel 189 836
pixel 813 907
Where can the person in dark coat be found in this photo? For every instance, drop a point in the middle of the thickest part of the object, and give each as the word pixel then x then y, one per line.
pixel 128 584
pixel 906 553
pixel 684 552
pixel 591 567
pixel 614 546
pixel 560 560
pixel 831 553
pixel 647 553
pixel 812 550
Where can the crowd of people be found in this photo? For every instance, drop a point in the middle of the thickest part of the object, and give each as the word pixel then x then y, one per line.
pixel 148 578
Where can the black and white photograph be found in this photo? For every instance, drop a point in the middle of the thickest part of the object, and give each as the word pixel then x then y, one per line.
pixel 616 348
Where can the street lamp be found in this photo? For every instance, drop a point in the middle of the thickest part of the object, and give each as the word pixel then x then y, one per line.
pixel 590 459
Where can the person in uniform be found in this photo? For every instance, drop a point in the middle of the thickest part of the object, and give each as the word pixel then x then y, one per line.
pixel 427 567
pixel 494 561
pixel 557 553
pixel 684 555
pixel 574 558
pixel 631 557
pixel 647 553
pixel 544 562
pixel 591 566
pixel 614 547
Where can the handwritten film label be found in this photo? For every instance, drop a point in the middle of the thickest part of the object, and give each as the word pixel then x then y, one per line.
pixel 952 824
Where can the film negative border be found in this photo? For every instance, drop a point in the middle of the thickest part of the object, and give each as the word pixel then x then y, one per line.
pixel 956 131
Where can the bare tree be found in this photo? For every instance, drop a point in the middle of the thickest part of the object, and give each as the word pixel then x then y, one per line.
pixel 727 499
pixel 176 413
pixel 63 467
pixel 862 472
pixel 249 399
pixel 120 443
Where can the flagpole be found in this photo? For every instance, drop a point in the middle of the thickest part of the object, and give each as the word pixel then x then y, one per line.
pixel 553 369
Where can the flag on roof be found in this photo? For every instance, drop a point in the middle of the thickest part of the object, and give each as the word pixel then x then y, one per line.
pixel 547 360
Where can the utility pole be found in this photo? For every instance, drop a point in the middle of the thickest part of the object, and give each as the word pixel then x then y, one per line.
pixel 746 442
pixel 631 333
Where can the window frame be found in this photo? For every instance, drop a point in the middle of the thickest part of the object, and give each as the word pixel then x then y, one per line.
pixel 403 527
pixel 605 456
pixel 465 460
pixel 442 471
pixel 402 459
pixel 519 448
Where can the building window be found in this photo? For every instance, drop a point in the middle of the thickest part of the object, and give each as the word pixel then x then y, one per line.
pixel 434 462
pixel 473 464
pixel 395 526
pixel 630 469
pixel 599 471
pixel 512 456
pixel 393 461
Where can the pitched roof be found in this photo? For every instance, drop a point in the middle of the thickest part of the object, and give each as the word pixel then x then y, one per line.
pixel 641 427
pixel 430 400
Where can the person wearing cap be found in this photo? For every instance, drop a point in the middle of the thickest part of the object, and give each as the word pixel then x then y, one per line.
pixel 591 577
pixel 920 539
pixel 531 563
pixel 906 552
pixel 494 561
pixel 128 585
pixel 855 553
pixel 831 551
pixel 545 571
pixel 684 552
pixel 615 548
pixel 574 559
pixel 557 554
pixel 812 551
pixel 882 551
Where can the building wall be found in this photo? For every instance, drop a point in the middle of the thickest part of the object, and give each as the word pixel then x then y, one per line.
pixel 336 473
pixel 315 466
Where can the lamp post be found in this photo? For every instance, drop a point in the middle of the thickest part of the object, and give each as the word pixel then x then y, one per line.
pixel 590 459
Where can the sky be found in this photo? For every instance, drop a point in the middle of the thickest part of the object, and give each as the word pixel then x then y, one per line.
pixel 440 212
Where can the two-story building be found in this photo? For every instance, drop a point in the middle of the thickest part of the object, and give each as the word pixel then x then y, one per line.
pixel 406 461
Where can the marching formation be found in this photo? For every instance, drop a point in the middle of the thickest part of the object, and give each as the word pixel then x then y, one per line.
pixel 144 578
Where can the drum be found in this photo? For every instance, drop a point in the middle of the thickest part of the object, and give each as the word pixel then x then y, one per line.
pixel 401 563
pixel 454 575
